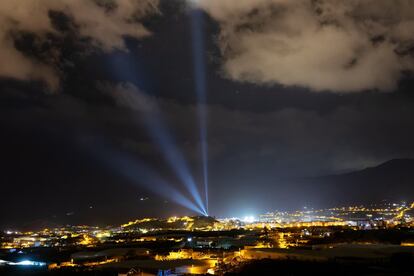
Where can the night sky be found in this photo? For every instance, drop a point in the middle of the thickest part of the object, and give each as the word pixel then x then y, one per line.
pixel 295 89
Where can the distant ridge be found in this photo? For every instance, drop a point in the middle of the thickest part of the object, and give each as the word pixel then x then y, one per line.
pixel 401 164
pixel 392 180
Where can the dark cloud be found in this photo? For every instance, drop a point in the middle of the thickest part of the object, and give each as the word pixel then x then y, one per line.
pixel 347 137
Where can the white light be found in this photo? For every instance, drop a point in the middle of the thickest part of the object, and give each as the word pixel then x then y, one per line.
pixel 25 262
pixel 189 239
pixel 249 219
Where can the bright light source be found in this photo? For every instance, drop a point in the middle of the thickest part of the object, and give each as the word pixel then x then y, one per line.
pixel 28 263
pixel 25 262
pixel 189 239
pixel 248 219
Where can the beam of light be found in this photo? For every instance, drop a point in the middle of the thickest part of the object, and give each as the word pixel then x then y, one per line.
pixel 201 90
pixel 173 156
pixel 159 134
pixel 137 172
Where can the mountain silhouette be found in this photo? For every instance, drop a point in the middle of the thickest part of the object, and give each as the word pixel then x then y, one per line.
pixel 391 181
